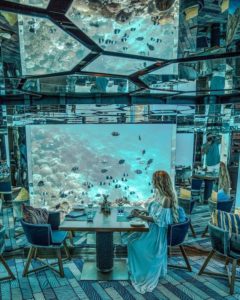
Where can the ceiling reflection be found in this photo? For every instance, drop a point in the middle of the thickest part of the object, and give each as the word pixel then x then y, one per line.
pixel 148 28
pixel 79 84
pixel 45 48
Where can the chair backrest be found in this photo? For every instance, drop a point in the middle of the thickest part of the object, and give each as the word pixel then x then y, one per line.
pixel 54 219
pixel 177 232
pixel 196 184
pixel 5 187
pixel 220 239
pixel 37 234
pixel 225 205
pixel 186 204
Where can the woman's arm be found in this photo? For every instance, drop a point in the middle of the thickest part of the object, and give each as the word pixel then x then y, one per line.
pixel 146 218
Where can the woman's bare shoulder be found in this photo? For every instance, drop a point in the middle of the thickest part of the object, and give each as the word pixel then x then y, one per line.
pixel 167 203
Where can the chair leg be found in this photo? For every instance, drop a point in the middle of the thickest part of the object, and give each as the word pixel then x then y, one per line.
pixel 234 265
pixel 185 258
pixel 192 230
pixel 227 261
pixel 210 255
pixel 10 273
pixel 29 258
pixel 66 250
pixel 205 231
pixel 35 253
pixel 60 264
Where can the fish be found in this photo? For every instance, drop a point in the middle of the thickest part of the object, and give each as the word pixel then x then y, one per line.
pixel 138 171
pixel 139 137
pixel 149 183
pixel 138 158
pixel 116 31
pixel 140 38
pixel 149 161
pixel 150 47
pixel 115 133
pixel 74 169
pixel 104 170
pixel 107 177
pixel 121 161
pixel 132 192
pixel 40 183
pixel 98 195
pixel 143 152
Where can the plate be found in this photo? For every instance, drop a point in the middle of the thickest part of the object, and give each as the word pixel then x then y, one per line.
pixel 137 223
pixel 78 208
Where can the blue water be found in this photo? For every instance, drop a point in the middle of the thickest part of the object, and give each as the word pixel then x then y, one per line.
pixel 82 161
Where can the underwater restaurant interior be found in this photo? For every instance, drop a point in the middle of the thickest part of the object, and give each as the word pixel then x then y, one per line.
pixel 119 149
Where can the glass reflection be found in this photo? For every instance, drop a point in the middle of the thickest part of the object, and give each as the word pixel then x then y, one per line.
pixel 119 25
pixel 37 3
pixel 45 48
pixel 79 84
pixel 124 66
pixel 214 77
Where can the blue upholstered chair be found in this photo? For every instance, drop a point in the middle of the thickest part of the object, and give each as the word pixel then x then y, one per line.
pixel 188 205
pixel 2 245
pixel 196 189
pixel 45 236
pixel 224 246
pixel 175 237
pixel 219 205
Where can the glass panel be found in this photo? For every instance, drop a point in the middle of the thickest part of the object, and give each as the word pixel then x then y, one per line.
pixel 148 28
pixel 121 167
pixel 79 84
pixel 116 65
pixel 203 27
pixel 45 48
pixel 37 3
pixel 215 77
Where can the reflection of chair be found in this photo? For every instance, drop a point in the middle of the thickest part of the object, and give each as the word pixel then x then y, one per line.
pixel 188 205
pixel 196 189
pixel 5 189
pixel 18 211
pixel 2 242
pixel 45 236
pixel 221 244
pixel 175 237
pixel 223 206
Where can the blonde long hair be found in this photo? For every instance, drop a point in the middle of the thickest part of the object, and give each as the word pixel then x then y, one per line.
pixel 164 187
pixel 224 179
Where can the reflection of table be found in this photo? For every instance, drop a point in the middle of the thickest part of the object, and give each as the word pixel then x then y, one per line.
pixel 208 183
pixel 104 226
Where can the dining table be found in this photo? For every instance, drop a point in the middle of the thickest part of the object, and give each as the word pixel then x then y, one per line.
pixel 105 266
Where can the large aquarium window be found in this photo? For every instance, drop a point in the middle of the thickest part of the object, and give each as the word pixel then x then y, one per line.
pixel 80 163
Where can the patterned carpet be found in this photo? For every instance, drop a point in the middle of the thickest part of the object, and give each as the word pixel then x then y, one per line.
pixel 179 284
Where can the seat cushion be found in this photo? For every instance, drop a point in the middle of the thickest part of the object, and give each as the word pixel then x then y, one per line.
pixel 235 243
pixel 226 221
pixel 185 194
pixel 58 237
pixel 34 215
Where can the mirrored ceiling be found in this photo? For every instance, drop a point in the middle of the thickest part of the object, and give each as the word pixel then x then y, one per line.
pixel 45 48
pixel 215 76
pixel 144 27
pixel 79 84
pixel 37 3
pixel 116 65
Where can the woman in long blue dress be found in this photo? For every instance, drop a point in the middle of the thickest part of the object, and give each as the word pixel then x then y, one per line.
pixel 147 252
pixel 224 185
